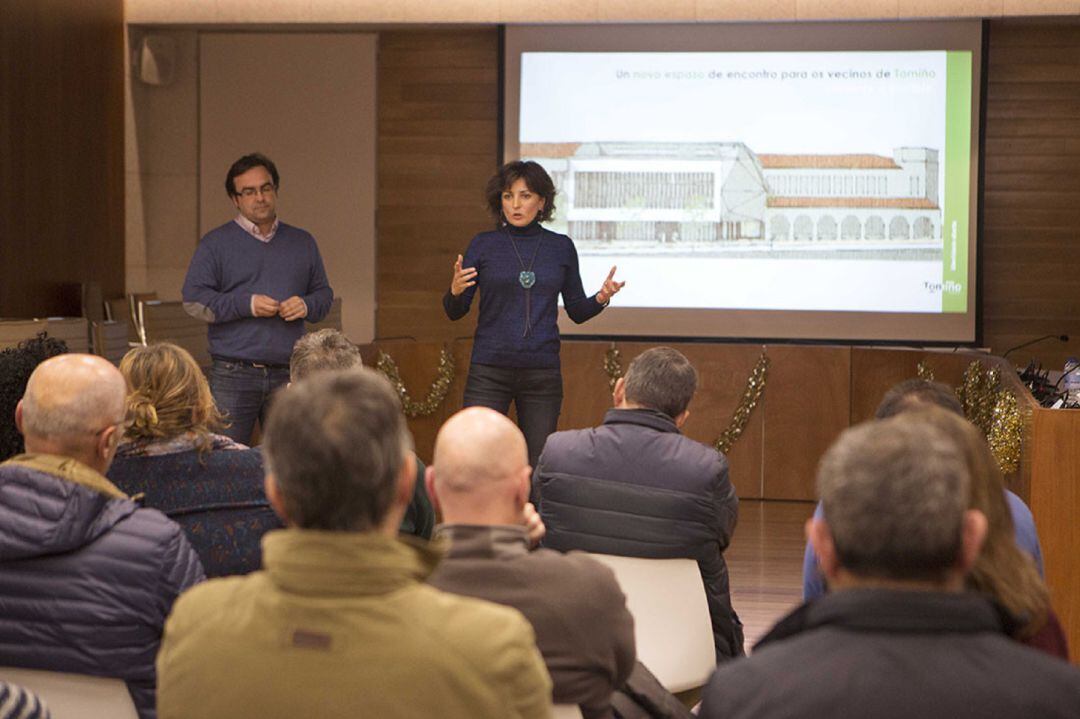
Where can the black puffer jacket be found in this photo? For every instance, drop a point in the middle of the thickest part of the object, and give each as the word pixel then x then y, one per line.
pixel 86 576
pixel 634 486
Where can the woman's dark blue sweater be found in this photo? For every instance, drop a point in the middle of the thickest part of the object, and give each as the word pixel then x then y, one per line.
pixel 502 336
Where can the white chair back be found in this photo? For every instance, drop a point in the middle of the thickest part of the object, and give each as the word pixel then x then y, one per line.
pixel 75 696
pixel 566 711
pixel 671 618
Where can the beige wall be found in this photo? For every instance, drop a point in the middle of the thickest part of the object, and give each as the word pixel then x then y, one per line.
pixel 162 169
pixel 308 102
pixel 508 11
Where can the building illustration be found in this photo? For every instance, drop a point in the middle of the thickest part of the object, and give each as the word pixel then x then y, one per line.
pixel 626 196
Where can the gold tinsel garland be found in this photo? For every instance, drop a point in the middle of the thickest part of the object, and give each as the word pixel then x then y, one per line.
pixel 755 385
pixel 613 365
pixel 995 411
pixel 436 393
pixel 924 371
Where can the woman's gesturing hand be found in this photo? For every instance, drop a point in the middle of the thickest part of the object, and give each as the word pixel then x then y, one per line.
pixel 610 288
pixel 464 277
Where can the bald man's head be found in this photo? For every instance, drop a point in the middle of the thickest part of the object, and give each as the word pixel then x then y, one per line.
pixel 70 401
pixel 481 467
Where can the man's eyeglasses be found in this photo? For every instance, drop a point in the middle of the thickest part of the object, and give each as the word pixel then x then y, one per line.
pixel 267 189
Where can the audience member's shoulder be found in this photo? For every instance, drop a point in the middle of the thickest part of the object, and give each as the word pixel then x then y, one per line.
pixel 149 527
pixel 474 626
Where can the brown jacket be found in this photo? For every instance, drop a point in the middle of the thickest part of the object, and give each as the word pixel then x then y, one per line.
pixel 574 603
pixel 341 625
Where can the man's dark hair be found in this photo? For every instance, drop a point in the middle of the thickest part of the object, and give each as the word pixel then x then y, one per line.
pixel 536 179
pixel 327 349
pixel 245 163
pixel 663 379
pixel 335 443
pixel 915 393
pixel 16 365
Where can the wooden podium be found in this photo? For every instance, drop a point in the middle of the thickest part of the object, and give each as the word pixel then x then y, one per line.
pixel 1050 465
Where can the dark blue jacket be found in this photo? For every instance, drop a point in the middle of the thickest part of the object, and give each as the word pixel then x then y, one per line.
pixel 893 654
pixel 636 487
pixel 87 578
pixel 217 498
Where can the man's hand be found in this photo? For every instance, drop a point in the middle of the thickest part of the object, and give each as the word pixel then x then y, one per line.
pixel 293 308
pixel 263 306
pixel 533 524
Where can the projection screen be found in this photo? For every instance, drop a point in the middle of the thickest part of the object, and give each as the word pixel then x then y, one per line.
pixel 804 181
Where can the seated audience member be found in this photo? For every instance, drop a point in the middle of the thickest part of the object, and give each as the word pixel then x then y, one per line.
pixel 916 394
pixel 635 486
pixel 339 623
pixel 480 483
pixel 86 576
pixel 19 703
pixel 1003 571
pixel 209 484
pixel 16 364
pixel 329 349
pixel 898 636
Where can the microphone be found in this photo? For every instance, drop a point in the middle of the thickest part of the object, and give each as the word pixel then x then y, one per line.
pixel 1060 338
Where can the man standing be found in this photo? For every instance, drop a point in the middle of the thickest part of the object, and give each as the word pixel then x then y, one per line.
pixel 635 486
pixel 339 623
pixel 86 576
pixel 898 636
pixel 254 280
pixel 480 481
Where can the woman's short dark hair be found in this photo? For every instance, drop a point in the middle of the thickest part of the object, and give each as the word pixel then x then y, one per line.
pixel 16 365
pixel 536 179
pixel 245 163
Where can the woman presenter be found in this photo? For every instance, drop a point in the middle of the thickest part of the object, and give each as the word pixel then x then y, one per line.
pixel 520 269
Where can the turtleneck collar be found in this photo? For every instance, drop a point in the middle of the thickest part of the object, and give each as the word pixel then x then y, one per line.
pixel 529 230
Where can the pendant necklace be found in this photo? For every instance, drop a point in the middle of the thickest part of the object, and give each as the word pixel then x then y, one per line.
pixel 526 278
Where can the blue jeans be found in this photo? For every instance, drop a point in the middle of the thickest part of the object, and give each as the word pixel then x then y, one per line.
pixel 242 393
pixel 536 394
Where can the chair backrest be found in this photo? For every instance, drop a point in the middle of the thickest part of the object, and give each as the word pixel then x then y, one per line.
pixel 122 310
pixel 671 618
pixel 169 321
pixel 72 330
pixel 75 696
pixel 109 340
pixel 566 711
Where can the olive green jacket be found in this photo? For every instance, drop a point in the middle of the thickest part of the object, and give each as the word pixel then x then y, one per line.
pixel 341 625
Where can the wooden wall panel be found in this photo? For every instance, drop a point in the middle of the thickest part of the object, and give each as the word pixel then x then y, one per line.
pixel 1055 502
pixel 807 404
pixel 61 153
pixel 874 372
pixel 437 137
pixel 1032 189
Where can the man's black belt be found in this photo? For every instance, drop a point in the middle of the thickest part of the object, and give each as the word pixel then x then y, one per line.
pixel 249 363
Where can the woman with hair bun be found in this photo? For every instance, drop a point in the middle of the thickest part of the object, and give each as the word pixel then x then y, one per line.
pixel 520 269
pixel 173 457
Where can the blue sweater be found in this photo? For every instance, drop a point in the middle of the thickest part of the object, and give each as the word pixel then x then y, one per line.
pixel 501 336
pixel 230 266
